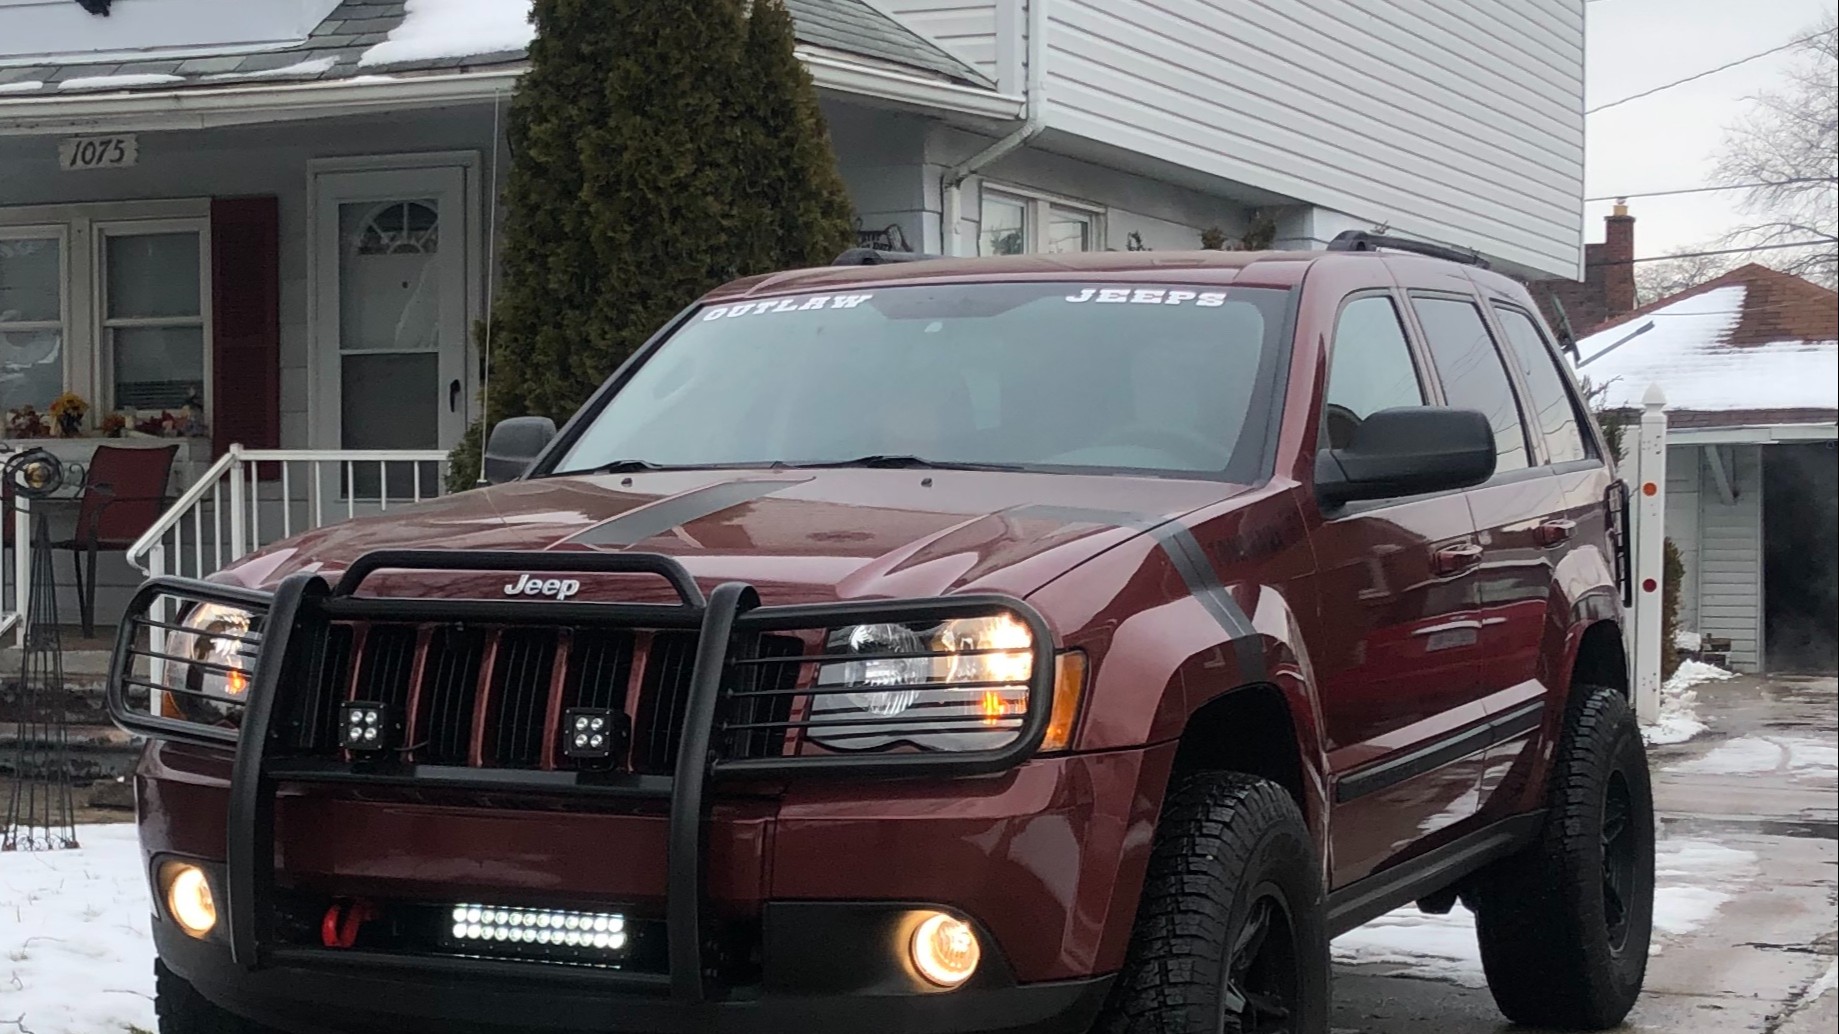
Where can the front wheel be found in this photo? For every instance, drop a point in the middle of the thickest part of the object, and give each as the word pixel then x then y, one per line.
pixel 1230 936
pixel 1565 925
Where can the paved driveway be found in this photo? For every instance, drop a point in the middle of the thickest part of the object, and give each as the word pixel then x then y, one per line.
pixel 1749 845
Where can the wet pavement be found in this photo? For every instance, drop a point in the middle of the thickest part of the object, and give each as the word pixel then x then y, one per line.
pixel 1749 863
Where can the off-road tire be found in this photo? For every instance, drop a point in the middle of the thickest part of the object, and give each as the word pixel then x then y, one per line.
pixel 1226 844
pixel 1554 953
pixel 182 1010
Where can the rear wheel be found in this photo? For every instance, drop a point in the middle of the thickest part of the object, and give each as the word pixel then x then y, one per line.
pixel 182 1010
pixel 1564 926
pixel 1230 937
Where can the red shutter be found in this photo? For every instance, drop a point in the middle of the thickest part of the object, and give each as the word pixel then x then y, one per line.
pixel 246 323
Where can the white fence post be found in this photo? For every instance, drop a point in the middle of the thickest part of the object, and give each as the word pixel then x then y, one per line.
pixel 1650 492
pixel 238 517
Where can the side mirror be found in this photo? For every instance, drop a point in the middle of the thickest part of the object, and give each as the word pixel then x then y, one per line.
pixel 1409 451
pixel 514 444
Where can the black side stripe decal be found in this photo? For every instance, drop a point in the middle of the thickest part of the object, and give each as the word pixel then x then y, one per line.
pixel 1390 772
pixel 1189 559
pixel 636 526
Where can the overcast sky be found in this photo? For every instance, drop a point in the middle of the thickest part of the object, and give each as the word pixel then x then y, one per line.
pixel 1669 140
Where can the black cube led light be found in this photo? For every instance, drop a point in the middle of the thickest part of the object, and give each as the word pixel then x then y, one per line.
pixel 368 727
pixel 593 735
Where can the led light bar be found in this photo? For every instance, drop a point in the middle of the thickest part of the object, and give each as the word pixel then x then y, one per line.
pixel 491 925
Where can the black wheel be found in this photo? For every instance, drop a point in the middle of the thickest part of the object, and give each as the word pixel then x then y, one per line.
pixel 1564 925
pixel 182 1010
pixel 1230 936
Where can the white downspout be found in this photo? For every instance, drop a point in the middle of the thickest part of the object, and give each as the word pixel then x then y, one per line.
pixel 952 182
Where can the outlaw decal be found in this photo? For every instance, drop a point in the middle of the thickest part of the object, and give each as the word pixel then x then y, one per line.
pixel 816 301
pixel 1148 296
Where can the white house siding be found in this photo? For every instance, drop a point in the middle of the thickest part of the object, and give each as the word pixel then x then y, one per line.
pixel 967 28
pixel 1456 120
pixel 1728 568
pixel 1168 216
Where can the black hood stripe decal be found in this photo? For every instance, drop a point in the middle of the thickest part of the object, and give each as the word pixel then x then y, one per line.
pixel 635 526
pixel 1190 561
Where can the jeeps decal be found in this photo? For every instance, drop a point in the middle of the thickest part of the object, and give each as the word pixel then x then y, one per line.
pixel 816 301
pixel 1148 296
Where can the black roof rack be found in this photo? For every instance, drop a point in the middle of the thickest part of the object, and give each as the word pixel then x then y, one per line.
pixel 873 257
pixel 1361 240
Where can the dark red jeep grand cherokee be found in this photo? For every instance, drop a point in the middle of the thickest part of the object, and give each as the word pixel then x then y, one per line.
pixel 1047 644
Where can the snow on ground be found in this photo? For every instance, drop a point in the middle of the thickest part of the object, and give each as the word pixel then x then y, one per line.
pixel 433 29
pixel 75 953
pixel 1679 718
pixel 117 82
pixel 1694 879
pixel 1758 755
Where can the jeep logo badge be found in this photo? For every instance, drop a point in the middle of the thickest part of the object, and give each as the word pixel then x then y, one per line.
pixel 560 588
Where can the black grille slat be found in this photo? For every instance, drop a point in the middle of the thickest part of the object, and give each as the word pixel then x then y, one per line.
pixel 661 701
pixel 599 666
pixel 450 684
pixel 777 679
pixel 315 719
pixel 389 655
pixel 520 696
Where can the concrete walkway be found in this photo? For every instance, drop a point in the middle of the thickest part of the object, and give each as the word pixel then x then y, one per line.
pixel 1749 845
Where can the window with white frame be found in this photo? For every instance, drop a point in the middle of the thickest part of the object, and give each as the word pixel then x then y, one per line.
pixel 109 301
pixel 1020 223
pixel 34 316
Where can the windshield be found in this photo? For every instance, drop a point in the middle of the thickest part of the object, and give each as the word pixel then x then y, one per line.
pixel 1164 379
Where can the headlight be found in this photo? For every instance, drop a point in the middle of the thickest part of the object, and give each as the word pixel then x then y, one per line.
pixel 208 664
pixel 969 693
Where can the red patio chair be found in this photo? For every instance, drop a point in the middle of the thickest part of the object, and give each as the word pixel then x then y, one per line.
pixel 124 492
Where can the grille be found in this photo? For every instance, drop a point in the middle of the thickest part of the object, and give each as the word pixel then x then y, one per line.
pixel 491 696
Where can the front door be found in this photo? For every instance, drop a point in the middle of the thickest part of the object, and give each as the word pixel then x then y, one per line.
pixel 391 314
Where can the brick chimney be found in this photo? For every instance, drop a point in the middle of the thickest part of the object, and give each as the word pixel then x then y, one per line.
pixel 1617 261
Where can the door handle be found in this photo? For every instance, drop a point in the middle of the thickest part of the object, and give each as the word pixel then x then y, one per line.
pixel 1553 532
pixel 1456 559
pixel 453 397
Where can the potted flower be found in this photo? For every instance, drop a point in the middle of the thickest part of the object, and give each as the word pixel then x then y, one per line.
pixel 67 413
pixel 25 422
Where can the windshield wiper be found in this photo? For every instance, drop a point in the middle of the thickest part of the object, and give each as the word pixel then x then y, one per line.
pixel 628 467
pixel 891 461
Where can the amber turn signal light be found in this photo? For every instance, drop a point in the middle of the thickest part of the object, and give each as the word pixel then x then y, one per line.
pixel 1069 691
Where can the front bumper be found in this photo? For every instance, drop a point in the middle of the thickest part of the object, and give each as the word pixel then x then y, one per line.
pixel 360 993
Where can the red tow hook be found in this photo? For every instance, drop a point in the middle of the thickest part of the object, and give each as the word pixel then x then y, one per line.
pixel 339 929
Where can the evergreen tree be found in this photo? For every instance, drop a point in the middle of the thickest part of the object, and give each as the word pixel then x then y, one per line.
pixel 659 148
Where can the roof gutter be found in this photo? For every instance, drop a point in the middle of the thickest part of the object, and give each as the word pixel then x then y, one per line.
pixel 196 108
pixel 202 106
pixel 952 181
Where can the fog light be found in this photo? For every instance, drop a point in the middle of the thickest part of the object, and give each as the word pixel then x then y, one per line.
pixel 367 727
pixel 189 900
pixel 945 949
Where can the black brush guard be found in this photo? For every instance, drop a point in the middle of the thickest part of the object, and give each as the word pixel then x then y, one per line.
pixel 728 614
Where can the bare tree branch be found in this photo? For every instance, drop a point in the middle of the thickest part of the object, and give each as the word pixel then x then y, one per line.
pixel 1788 144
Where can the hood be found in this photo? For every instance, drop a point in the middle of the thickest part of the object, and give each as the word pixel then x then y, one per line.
pixel 797 536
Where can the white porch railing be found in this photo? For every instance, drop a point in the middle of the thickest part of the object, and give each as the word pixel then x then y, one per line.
pixel 248 499
pixel 252 497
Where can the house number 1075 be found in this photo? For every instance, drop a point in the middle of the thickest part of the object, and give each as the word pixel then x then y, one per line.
pixel 98 152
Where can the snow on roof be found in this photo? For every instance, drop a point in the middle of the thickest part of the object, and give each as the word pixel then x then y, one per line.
pixel 434 29
pixel 116 82
pixel 1687 350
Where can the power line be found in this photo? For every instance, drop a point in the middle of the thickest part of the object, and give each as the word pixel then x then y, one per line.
pixel 1726 186
pixel 1701 75
pixel 1828 242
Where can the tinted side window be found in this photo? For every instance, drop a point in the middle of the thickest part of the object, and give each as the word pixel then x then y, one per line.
pixel 1472 373
pixel 1551 399
pixel 1370 368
